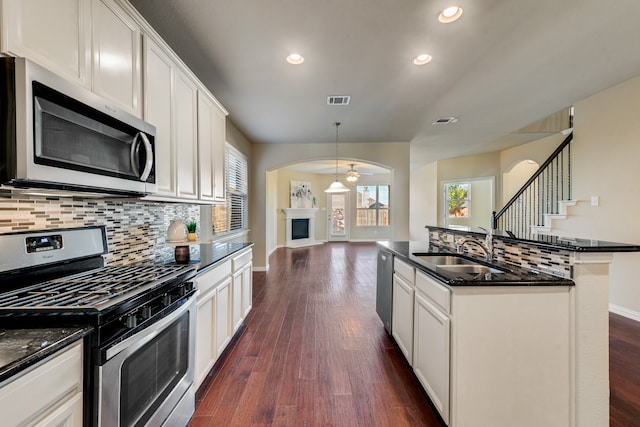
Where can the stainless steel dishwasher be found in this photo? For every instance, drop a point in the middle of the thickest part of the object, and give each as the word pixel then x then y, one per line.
pixel 384 287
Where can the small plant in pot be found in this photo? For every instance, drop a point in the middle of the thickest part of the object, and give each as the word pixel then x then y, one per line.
pixel 191 230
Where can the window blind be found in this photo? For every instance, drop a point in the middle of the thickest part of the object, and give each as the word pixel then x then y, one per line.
pixel 232 215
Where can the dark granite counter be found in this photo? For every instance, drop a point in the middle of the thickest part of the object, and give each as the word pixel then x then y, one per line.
pixel 510 275
pixel 203 255
pixel 21 348
pixel 554 242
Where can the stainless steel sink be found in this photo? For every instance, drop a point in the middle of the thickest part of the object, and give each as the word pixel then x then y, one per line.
pixel 443 259
pixel 469 268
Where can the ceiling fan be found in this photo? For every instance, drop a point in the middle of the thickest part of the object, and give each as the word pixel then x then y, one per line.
pixel 353 175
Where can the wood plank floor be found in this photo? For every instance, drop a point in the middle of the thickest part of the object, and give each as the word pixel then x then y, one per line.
pixel 314 353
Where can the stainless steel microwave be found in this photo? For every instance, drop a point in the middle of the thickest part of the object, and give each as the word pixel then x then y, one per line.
pixel 58 135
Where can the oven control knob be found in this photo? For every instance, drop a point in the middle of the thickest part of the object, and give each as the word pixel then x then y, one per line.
pixel 166 300
pixel 130 321
pixel 145 312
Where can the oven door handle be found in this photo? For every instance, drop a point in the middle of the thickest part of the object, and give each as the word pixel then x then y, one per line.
pixel 146 335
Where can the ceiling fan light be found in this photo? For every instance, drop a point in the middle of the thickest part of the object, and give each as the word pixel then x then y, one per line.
pixel 336 187
pixel 352 178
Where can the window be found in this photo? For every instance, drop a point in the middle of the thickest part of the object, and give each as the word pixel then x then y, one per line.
pixel 372 205
pixel 231 216
pixel 458 197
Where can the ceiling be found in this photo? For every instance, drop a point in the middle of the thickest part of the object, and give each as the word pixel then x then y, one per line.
pixel 503 65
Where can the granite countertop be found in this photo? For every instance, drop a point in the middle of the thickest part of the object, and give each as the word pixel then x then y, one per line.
pixel 21 348
pixel 203 255
pixel 511 275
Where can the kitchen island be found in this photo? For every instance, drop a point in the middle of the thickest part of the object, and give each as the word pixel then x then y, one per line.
pixel 520 346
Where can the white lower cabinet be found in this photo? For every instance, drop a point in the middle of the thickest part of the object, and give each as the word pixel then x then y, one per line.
pixel 497 356
pixel 223 316
pixel 242 283
pixel 46 394
pixel 223 302
pixel 431 344
pixel 402 316
pixel 206 347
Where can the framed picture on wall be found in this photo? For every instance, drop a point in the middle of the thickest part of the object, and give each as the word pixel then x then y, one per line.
pixel 301 197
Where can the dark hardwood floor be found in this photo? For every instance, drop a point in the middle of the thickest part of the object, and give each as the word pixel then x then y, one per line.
pixel 624 371
pixel 314 353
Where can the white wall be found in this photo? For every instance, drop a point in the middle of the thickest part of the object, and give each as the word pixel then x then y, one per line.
pixel 268 157
pixel 606 159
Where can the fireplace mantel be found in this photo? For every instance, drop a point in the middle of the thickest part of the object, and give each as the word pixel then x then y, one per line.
pixel 300 213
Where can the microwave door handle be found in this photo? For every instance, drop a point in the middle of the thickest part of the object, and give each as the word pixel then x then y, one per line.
pixel 149 152
pixel 149 163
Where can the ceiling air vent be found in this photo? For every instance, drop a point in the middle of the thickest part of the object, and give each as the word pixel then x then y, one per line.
pixel 445 120
pixel 338 100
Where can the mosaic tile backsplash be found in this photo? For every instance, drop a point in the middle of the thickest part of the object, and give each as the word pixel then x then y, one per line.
pixel 134 227
pixel 547 260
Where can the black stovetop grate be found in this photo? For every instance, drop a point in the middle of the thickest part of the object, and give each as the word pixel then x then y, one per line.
pixel 92 290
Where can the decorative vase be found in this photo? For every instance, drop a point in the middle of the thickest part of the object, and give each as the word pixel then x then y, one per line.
pixel 192 237
pixel 176 231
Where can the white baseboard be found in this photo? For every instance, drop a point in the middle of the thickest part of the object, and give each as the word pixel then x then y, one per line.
pixel 622 311
pixel 261 268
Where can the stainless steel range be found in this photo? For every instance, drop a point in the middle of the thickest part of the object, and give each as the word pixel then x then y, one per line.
pixel 139 358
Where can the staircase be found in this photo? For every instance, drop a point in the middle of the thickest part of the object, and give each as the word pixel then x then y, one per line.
pixel 544 198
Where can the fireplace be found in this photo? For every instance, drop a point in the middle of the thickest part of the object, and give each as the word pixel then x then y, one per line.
pixel 300 230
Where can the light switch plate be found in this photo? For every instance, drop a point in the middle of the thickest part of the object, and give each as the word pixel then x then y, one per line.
pixel 595 201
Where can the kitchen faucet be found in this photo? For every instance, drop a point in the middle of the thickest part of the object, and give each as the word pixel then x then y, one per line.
pixel 486 246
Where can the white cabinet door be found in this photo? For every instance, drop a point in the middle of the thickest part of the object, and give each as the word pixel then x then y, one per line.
pixel 206 351
pixel 237 301
pixel 219 127
pixel 247 289
pixel 116 51
pixel 223 315
pixel 159 71
pixel 69 414
pixel 402 316
pixel 186 104
pixel 211 145
pixel 431 353
pixel 47 393
pixel 55 34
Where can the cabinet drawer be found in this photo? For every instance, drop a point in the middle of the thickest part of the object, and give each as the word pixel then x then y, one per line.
pixel 242 259
pixel 405 270
pixel 211 278
pixel 438 293
pixel 42 389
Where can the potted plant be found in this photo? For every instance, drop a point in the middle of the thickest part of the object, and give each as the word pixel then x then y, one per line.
pixel 191 230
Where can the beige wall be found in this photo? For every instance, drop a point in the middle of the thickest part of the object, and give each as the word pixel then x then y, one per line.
pixel 424 200
pixel 269 157
pixel 606 159
pixel 538 151
pixel 481 205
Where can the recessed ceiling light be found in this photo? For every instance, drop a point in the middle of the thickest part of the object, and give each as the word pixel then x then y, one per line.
pixel 295 59
pixel 422 59
pixel 450 14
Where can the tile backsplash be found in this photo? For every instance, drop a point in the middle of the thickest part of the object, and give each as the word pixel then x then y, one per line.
pixel 546 260
pixel 134 227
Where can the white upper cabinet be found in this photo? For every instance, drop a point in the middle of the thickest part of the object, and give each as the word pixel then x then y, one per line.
pixel 55 34
pixel 92 42
pixel 186 115
pixel 211 141
pixel 116 56
pixel 159 72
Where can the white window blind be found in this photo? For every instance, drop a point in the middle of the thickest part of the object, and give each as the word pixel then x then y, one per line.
pixel 232 216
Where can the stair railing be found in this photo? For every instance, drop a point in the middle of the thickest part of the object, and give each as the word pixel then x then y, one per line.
pixel 540 195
